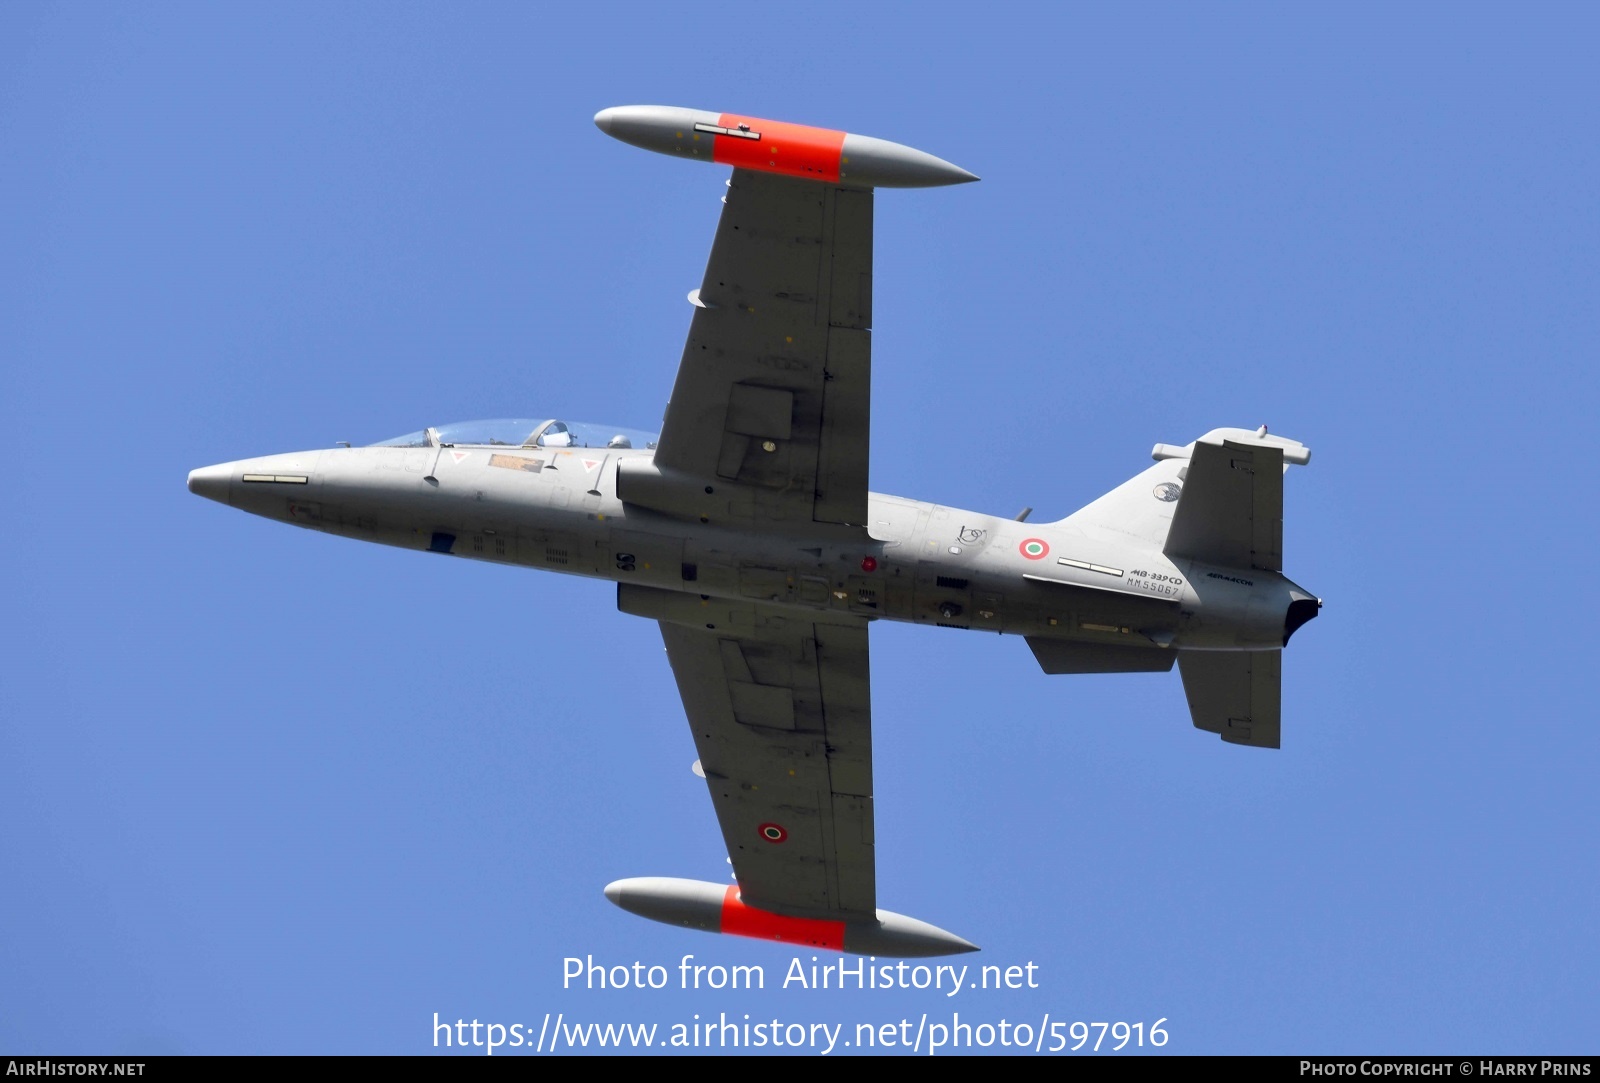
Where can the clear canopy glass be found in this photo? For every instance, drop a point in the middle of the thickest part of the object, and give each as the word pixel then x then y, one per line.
pixel 524 432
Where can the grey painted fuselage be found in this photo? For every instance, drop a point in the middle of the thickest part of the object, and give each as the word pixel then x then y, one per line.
pixel 1094 579
pixel 745 529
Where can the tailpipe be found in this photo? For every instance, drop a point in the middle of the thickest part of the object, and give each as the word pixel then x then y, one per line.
pixel 1303 608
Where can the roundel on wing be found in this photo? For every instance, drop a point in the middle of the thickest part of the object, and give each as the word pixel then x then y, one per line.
pixel 1034 548
pixel 773 833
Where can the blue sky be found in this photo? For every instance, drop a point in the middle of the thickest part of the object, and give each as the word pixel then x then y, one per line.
pixel 269 791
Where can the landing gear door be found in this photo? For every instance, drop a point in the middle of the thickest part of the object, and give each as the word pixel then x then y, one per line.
pixel 650 559
pixel 943 595
pixel 865 595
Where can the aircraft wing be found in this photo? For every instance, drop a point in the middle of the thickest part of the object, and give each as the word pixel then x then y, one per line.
pixel 772 395
pixel 782 718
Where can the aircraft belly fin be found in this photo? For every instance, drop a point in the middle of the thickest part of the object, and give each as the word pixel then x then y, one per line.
pixel 1235 694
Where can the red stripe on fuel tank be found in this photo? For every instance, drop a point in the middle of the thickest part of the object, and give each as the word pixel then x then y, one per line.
pixel 795 150
pixel 741 920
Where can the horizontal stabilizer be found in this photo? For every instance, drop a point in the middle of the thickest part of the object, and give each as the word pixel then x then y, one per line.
pixel 1059 656
pixel 717 908
pixel 1235 694
pixel 1230 511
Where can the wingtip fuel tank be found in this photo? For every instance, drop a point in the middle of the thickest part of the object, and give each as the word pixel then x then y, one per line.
pixel 717 908
pixel 774 146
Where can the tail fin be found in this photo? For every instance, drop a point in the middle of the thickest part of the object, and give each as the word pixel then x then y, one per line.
pixel 1217 500
pixel 1236 694
pixel 1139 510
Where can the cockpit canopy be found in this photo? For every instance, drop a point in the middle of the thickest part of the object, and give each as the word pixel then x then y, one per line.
pixel 524 432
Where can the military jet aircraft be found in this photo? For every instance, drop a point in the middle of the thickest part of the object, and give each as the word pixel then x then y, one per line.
pixel 746 529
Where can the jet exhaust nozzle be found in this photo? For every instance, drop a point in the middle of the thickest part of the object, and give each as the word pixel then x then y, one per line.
pixel 1302 610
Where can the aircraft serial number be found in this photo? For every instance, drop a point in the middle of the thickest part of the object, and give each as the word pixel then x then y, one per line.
pixel 1169 586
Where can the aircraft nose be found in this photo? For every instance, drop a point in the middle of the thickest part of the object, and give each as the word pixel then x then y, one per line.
pixel 212 482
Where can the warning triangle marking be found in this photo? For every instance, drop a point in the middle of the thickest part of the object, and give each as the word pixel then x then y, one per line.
pixel 590 464
pixel 459 455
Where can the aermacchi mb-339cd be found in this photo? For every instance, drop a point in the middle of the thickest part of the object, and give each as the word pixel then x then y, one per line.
pixel 746 529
